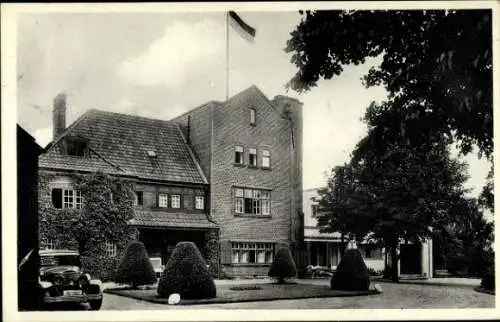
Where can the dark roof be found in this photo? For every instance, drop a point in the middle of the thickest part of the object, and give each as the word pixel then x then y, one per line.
pixel 119 143
pixel 173 220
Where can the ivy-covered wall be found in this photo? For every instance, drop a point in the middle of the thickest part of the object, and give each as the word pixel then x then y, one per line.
pixel 107 207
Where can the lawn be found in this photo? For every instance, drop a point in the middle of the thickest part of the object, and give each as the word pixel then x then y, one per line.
pixel 247 293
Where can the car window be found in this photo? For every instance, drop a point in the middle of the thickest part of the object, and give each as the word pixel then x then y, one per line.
pixel 70 260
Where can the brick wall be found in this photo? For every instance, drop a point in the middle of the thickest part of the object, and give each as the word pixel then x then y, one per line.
pixel 199 134
pixel 231 126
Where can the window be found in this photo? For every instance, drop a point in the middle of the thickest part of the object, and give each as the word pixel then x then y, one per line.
pixel 110 249
pixel 314 210
pixel 373 252
pixel 67 198
pixel 163 200
pixel 252 157
pixel 50 244
pixel 238 155
pixel 76 148
pixel 252 201
pixel 252 253
pixel 252 116
pixel 138 201
pixel 176 201
pixel 266 159
pixel 199 202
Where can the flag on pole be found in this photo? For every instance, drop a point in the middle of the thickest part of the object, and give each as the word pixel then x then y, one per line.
pixel 244 29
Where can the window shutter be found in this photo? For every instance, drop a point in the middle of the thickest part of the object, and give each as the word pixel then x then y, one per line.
pixel 57 198
pixel 225 251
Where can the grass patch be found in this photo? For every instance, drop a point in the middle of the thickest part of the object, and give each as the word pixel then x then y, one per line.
pixel 267 292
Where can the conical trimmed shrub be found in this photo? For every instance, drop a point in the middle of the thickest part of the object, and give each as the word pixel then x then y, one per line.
pixel 186 273
pixel 283 265
pixel 135 267
pixel 352 273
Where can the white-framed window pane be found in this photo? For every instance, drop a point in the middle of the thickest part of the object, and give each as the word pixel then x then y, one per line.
pixel 236 256
pixel 252 157
pixel 78 199
pixel 200 202
pixel 238 155
pixel 266 162
pixel 248 193
pixel 269 256
pixel 239 205
pixel 256 193
pixel 68 199
pixel 238 192
pixel 256 207
pixel 176 201
pixel 110 249
pixel 244 256
pixel 266 195
pixel 266 207
pixel 252 116
pixel 265 153
pixel 163 200
pixel 261 256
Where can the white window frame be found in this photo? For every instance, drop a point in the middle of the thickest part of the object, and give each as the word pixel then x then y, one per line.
pixel 68 199
pixel 199 202
pixel 266 159
pixel 259 200
pixel 163 200
pixel 252 156
pixel 110 249
pixel 252 253
pixel 239 150
pixel 50 244
pixel 175 201
pixel 253 116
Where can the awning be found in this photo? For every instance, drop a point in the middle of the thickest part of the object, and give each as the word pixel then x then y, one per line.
pixel 163 219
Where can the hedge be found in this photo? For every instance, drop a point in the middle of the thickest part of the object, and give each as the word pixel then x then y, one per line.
pixel 283 265
pixel 135 267
pixel 186 273
pixel 352 273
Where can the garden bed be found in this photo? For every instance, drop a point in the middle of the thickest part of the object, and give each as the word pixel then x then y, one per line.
pixel 247 293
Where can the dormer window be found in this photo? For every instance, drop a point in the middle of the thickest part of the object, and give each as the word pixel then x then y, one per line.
pixel 151 154
pixel 252 116
pixel 76 147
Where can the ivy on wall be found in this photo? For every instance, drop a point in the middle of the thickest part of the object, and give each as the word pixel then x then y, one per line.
pixel 107 207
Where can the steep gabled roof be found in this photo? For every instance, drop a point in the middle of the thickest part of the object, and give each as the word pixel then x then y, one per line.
pixel 119 143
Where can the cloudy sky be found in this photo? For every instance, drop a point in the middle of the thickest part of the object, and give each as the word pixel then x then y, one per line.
pixel 162 64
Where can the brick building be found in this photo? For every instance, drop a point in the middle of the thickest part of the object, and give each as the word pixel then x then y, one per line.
pixel 226 175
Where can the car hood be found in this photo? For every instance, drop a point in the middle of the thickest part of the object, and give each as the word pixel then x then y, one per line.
pixel 59 269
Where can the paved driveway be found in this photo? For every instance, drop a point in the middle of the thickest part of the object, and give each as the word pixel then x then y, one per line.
pixel 394 296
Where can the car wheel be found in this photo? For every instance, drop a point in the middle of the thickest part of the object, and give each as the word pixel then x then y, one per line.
pixel 95 305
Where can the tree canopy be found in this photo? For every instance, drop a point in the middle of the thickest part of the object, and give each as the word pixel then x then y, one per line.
pixel 436 65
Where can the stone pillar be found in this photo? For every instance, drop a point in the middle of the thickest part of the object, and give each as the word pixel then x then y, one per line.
pixel 426 258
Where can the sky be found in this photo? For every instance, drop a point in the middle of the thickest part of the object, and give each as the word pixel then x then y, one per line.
pixel 160 65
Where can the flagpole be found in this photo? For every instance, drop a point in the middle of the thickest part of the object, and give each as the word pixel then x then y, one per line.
pixel 227 55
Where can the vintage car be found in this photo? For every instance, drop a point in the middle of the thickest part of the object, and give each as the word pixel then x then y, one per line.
pixel 63 281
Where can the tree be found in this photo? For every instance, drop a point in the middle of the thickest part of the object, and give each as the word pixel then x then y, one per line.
pixel 283 265
pixel 439 61
pixel 465 238
pixel 336 210
pixel 402 192
pixel 135 267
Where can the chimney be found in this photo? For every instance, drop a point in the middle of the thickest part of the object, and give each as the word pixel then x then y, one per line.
pixel 59 115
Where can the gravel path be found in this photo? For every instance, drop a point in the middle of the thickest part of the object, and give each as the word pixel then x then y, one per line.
pixel 394 296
